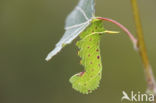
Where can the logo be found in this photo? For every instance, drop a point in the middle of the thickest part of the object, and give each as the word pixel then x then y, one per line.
pixel 137 97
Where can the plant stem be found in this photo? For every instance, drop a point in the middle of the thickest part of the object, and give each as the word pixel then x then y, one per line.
pixel 133 39
pixel 142 49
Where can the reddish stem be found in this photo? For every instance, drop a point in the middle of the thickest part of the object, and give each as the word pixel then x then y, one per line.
pixel 133 39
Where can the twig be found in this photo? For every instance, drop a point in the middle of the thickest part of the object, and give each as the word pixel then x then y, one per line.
pixel 142 49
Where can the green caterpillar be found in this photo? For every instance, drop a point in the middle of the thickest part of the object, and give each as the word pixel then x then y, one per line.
pixel 82 22
pixel 89 45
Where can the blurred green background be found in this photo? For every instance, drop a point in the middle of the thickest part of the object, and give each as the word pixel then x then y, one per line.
pixel 29 29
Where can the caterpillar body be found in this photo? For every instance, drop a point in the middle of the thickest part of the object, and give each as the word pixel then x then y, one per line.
pixel 89 45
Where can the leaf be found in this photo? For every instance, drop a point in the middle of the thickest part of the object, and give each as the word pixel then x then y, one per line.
pixel 76 22
pixel 88 80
